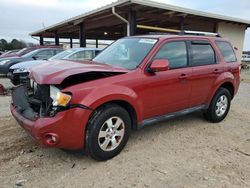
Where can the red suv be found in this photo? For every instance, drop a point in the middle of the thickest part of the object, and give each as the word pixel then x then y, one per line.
pixel 134 82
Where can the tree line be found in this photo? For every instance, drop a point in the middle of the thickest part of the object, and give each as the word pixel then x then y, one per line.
pixel 14 44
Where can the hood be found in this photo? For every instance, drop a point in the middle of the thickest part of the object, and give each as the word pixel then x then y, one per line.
pixel 27 64
pixel 8 58
pixel 57 71
pixel 15 59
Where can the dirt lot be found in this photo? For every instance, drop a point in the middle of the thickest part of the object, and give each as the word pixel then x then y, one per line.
pixel 185 152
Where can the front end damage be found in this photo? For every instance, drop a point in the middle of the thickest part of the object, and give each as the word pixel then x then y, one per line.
pixel 52 126
pixel 44 107
pixel 32 102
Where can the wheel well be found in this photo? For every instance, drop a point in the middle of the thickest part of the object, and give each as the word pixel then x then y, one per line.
pixel 128 107
pixel 229 86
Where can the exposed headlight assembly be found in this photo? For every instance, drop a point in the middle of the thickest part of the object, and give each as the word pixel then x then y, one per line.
pixel 33 85
pixel 59 98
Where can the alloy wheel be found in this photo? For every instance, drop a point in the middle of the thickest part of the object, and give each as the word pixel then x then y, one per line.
pixel 111 134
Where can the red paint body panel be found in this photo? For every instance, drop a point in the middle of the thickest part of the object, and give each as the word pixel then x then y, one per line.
pixel 67 125
pixel 149 94
pixel 61 69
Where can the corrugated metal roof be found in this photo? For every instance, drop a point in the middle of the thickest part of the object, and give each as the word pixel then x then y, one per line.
pixel 190 11
pixel 149 4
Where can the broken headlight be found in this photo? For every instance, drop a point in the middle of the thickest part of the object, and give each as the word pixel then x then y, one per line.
pixel 59 98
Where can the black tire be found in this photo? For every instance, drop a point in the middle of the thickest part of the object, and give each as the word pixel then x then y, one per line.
pixel 96 123
pixel 211 114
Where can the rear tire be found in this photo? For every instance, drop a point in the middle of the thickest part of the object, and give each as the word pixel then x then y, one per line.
pixel 108 132
pixel 219 106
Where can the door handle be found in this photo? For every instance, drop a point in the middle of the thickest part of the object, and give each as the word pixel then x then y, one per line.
pixel 183 76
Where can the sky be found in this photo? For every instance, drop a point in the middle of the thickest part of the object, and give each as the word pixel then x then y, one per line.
pixel 21 17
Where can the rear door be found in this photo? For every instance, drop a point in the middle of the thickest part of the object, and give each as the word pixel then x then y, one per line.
pixel 206 70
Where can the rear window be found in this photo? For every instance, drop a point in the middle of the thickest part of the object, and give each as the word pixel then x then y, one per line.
pixel 202 54
pixel 227 51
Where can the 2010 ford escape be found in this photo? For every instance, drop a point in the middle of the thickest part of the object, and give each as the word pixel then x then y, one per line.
pixel 134 82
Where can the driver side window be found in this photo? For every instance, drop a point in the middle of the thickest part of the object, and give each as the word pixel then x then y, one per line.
pixel 175 53
pixel 45 54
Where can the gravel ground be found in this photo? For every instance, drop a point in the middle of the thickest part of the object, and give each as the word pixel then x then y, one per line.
pixel 184 152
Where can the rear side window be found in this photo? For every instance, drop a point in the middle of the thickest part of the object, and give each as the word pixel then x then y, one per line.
pixel 202 54
pixel 175 53
pixel 82 55
pixel 227 51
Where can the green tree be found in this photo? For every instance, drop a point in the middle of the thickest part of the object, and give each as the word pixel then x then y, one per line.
pixel 14 44
pixel 3 44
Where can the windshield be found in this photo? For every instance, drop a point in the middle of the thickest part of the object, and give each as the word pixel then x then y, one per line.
pixel 62 55
pixel 25 51
pixel 127 53
pixel 21 51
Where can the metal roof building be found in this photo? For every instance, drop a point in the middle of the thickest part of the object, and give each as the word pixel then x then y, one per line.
pixel 133 17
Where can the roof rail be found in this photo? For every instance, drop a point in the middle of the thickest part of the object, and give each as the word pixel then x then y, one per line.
pixel 160 33
pixel 200 33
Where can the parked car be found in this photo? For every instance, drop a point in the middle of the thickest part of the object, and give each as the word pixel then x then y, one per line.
pixel 245 57
pixel 39 54
pixel 21 52
pixel 19 72
pixel 134 82
pixel 10 53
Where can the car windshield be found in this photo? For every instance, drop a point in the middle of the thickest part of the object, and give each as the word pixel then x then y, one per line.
pixel 63 54
pixel 21 51
pixel 127 53
pixel 25 51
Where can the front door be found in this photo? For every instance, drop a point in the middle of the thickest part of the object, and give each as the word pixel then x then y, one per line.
pixel 168 91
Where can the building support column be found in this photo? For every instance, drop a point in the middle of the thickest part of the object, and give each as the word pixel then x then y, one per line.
pixel 82 34
pixel 41 41
pixel 57 43
pixel 182 27
pixel 132 22
pixel 96 43
pixel 71 43
pixel 215 30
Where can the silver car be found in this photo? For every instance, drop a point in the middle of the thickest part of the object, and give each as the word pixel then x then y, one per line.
pixel 18 73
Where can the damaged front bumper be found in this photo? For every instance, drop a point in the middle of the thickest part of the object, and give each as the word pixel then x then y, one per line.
pixel 64 130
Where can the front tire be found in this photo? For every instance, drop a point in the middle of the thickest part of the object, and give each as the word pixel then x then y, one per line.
pixel 219 106
pixel 108 132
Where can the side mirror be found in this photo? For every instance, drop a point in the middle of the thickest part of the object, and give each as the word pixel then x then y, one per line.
pixel 34 57
pixel 159 65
